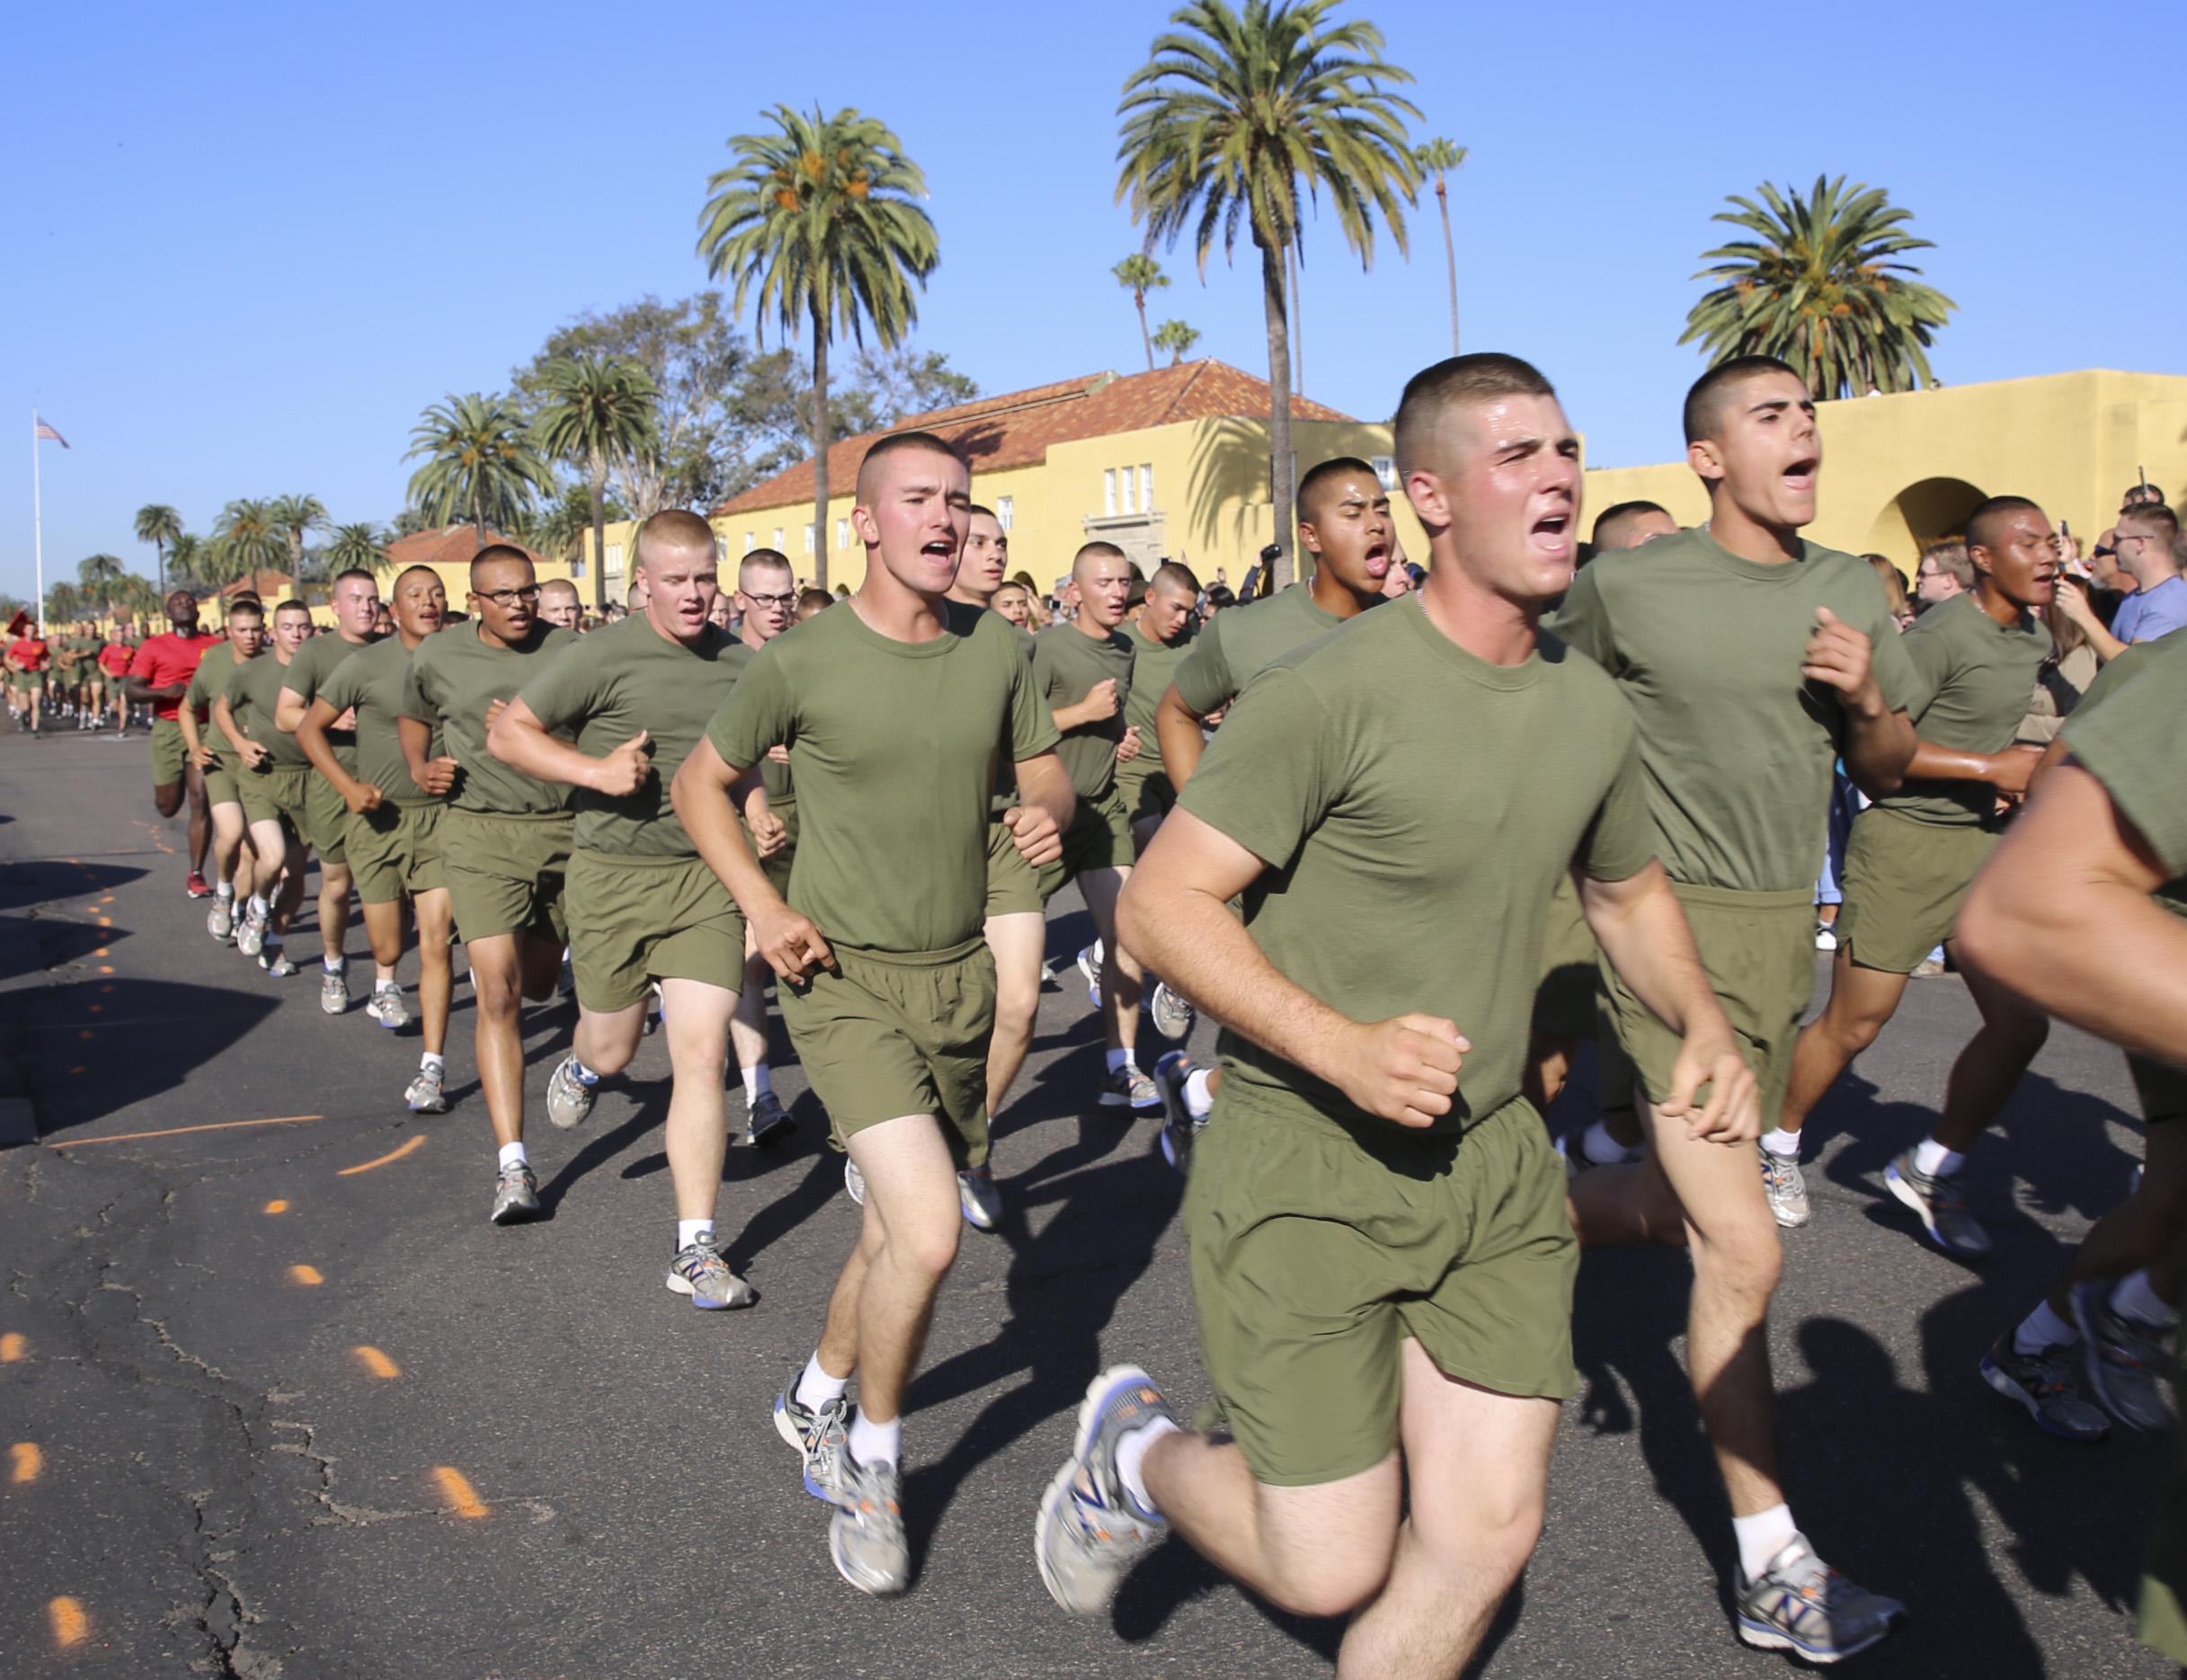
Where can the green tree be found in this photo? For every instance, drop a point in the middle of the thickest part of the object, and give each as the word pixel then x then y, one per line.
pixel 161 526
pixel 480 465
pixel 1819 289
pixel 248 540
pixel 1177 338
pixel 64 604
pixel 1438 157
pixel 559 530
pixel 189 565
pixel 1139 274
pixel 598 410
pixel 819 219
pixel 100 578
pixel 1230 115
pixel 295 518
pixel 362 547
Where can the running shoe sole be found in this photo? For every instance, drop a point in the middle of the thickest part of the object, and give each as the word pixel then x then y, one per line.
pixel 1896 1182
pixel 1999 1379
pixel 1058 1497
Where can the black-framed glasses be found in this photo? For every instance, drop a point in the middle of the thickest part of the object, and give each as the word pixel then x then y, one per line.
pixel 509 597
pixel 781 602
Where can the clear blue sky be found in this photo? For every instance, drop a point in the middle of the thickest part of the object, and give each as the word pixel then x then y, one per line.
pixel 248 243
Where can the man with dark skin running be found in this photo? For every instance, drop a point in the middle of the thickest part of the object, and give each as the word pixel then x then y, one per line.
pixel 159 676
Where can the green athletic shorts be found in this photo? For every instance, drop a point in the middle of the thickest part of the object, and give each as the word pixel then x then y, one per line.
pixel 326 820
pixel 170 752
pixel 890 1033
pixel 1758 949
pixel 504 874
pixel 223 779
pixel 1317 1250
pixel 1013 886
pixel 1144 793
pixel 394 851
pixel 1099 838
pixel 30 681
pixel 1564 1002
pixel 1904 880
pixel 275 794
pixel 634 919
pixel 776 868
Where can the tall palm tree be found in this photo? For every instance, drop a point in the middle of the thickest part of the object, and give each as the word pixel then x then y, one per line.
pixel 1819 289
pixel 1438 157
pixel 1229 117
pixel 480 464
pixel 819 217
pixel 295 518
pixel 1139 274
pixel 248 540
pixel 101 576
pixel 598 410
pixel 362 547
pixel 159 525
pixel 189 564
pixel 1177 338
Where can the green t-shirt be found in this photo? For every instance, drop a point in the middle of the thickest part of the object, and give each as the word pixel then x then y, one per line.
pixel 1153 670
pixel 602 688
pixel 315 662
pixel 454 676
pixel 1974 679
pixel 1241 642
pixel 1412 849
pixel 1737 747
pixel 371 680
pixel 895 745
pixel 1067 663
pixel 2126 734
pixel 253 691
pixel 208 685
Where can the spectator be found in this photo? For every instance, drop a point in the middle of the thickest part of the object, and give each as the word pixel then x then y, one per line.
pixel 2065 676
pixel 2158 605
pixel 1218 597
pixel 811 600
pixel 1894 587
pixel 1629 524
pixel 1945 571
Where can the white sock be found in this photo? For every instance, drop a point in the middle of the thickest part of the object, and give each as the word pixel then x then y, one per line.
pixel 224 889
pixel 582 1073
pixel 2139 1302
pixel 259 907
pixel 1933 1159
pixel 1602 1149
pixel 816 1388
pixel 382 977
pixel 757 1080
pixel 1100 952
pixel 1783 1144
pixel 512 1154
pixel 689 1230
pixel 1199 1101
pixel 335 964
pixel 1132 1457
pixel 431 1064
pixel 1762 1537
pixel 2044 1328
pixel 874 1442
pixel 1120 1058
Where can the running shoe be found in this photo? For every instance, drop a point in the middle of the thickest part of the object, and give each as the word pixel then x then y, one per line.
pixel 2122 1356
pixel 1089 1534
pixel 569 1099
pixel 197 886
pixel 1180 1129
pixel 656 1010
pixel 866 1535
pixel 275 962
pixel 251 932
pixel 387 1007
pixel 1127 1087
pixel 1787 1189
pixel 854 1181
pixel 333 990
pixel 425 1095
pixel 818 1433
pixel 1800 1603
pixel 699 1272
pixel 977 1195
pixel 1937 1198
pixel 1826 937
pixel 2043 1383
pixel 220 919
pixel 1089 966
pixel 1173 1017
pixel 516 1194
pixel 767 1121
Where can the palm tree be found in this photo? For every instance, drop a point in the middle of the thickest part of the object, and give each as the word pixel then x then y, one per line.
pixel 1177 338
pixel 189 564
pixel 360 548
pixel 247 541
pixel 1819 290
pixel 479 463
pixel 1139 274
pixel 598 410
pixel 64 604
pixel 293 517
pixel 159 525
pixel 819 215
pixel 1223 123
pixel 1438 157
pixel 100 577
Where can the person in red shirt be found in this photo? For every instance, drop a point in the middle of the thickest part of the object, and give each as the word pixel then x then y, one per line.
pixel 158 676
pixel 28 660
pixel 114 661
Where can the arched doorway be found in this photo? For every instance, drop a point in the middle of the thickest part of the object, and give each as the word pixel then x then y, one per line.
pixel 1920 514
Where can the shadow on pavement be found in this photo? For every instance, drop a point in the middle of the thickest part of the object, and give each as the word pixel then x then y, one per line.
pixel 143 1037
pixel 42 880
pixel 30 944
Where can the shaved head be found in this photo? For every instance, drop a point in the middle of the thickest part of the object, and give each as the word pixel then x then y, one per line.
pixel 1083 561
pixel 1713 392
pixel 677 529
pixel 872 469
pixel 1436 396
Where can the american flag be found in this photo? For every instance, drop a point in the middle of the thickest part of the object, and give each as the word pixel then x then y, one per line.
pixel 40 429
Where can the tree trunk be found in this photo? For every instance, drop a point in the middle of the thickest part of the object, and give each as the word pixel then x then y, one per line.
pixel 1281 477
pixel 596 482
pixel 1298 318
pixel 820 442
pixel 1140 297
pixel 160 548
pixel 1450 252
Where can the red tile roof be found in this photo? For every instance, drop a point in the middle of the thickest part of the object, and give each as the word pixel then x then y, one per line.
pixel 1016 429
pixel 452 547
pixel 270 587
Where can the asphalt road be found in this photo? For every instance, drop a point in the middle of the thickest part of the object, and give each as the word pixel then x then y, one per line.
pixel 287 1405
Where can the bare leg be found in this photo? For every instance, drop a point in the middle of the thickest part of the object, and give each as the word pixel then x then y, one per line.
pixel 228 848
pixel 498 1038
pixel 1548 1064
pixel 606 1042
pixel 384 928
pixel 884 1301
pixel 1862 1000
pixel 1122 979
pixel 1017 941
pixel 748 1025
pixel 436 967
pixel 2142 1230
pixel 334 908
pixel 200 817
pixel 1990 1066
pixel 696 1027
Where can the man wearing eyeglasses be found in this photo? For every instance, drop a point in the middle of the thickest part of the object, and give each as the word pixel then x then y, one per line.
pixel 2158 605
pixel 505 836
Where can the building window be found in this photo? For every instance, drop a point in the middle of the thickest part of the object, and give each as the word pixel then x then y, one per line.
pixel 1006 512
pixel 1385 469
pixel 808 537
pixel 615 559
pixel 1108 492
pixel 752 541
pixel 1130 488
pixel 842 533
pixel 1146 487
pixel 577 568
pixel 777 545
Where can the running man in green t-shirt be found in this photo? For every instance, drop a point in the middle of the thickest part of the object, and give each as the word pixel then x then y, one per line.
pixel 1976 659
pixel 1161 639
pixel 272 779
pixel 897 706
pixel 1382 1267
pixel 215 756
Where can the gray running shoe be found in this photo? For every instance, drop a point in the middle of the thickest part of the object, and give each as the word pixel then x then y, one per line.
pixel 699 1272
pixel 977 1195
pixel 767 1121
pixel 1180 1129
pixel 1089 1534
pixel 516 1194
pixel 2043 1383
pixel 275 962
pixel 569 1099
pixel 854 1181
pixel 387 1007
pixel 1800 1603
pixel 1786 1186
pixel 866 1535
pixel 250 928
pixel 425 1095
pixel 1173 1017
pixel 220 920
pixel 1127 1087
pixel 1937 1198
pixel 1089 966
pixel 827 1434
pixel 333 990
pixel 2121 1357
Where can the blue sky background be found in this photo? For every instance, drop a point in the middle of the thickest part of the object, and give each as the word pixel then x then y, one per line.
pixel 248 243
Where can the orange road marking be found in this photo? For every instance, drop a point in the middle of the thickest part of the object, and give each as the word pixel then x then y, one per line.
pixel 416 1142
pixel 79 1070
pixel 29 1461
pixel 381 1366
pixel 306 1274
pixel 87 1033
pixel 95 1008
pixel 12 1346
pixel 101 951
pixel 108 969
pixel 218 1125
pixel 277 1206
pixel 459 1492
pixel 69 1622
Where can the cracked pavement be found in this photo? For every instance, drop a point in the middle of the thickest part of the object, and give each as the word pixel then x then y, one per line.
pixel 226 1485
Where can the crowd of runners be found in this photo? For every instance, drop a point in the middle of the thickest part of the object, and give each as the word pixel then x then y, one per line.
pixel 1412 835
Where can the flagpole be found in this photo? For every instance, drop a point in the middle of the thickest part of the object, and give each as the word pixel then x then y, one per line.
pixel 37 530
